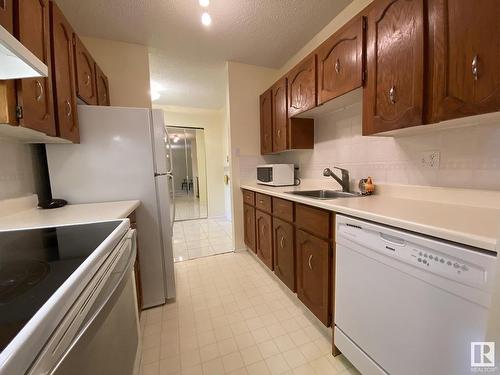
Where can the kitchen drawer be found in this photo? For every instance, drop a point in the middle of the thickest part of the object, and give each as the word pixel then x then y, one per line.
pixel 249 197
pixel 283 209
pixel 313 220
pixel 263 202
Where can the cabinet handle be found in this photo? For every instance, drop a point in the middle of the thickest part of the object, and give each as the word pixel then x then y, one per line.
pixel 87 81
pixel 279 133
pixel 40 88
pixel 475 68
pixel 262 229
pixel 68 108
pixel 392 95
pixel 282 242
pixel 337 66
pixel 310 259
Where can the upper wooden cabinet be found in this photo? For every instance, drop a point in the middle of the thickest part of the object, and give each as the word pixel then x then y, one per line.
pixel 85 73
pixel 7 15
pixel 340 61
pixel 280 116
pixel 34 95
pixel 64 75
pixel 266 123
pixel 302 86
pixel 393 95
pixel 464 58
pixel 102 87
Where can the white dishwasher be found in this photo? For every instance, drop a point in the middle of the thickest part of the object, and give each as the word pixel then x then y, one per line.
pixel 408 304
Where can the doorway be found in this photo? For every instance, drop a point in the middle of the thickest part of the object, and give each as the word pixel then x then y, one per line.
pixel 189 172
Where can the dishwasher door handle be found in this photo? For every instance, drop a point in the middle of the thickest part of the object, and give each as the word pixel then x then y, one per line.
pixel 392 240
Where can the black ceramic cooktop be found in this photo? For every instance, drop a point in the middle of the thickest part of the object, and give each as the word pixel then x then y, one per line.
pixel 34 263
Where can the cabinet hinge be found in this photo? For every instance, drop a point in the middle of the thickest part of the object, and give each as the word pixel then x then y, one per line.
pixel 365 23
pixel 19 112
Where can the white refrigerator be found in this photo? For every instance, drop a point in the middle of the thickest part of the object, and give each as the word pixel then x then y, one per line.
pixel 124 154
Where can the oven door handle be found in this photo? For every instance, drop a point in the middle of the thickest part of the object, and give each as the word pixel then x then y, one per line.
pixel 105 305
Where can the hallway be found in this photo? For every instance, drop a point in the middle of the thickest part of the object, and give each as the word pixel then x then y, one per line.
pixel 233 317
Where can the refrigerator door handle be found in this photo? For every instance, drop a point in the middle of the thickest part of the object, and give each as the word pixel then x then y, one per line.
pixel 173 201
pixel 168 145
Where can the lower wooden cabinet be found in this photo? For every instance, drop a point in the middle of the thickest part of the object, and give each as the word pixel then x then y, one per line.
pixel 314 274
pixel 264 238
pixel 284 252
pixel 249 226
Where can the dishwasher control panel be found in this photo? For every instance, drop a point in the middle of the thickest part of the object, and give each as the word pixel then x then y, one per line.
pixel 401 247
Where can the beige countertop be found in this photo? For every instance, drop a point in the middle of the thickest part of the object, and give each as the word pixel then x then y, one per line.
pixel 22 213
pixel 430 212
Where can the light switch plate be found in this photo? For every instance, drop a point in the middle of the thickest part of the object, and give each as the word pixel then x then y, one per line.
pixel 429 159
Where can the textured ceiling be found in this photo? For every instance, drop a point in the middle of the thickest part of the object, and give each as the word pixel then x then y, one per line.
pixel 187 59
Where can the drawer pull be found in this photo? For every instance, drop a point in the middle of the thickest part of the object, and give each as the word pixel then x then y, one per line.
pixel 337 66
pixel 282 242
pixel 310 260
pixel 87 79
pixel 392 95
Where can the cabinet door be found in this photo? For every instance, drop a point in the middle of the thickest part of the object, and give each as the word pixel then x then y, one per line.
pixel 280 116
pixel 266 123
pixel 7 15
pixel 102 86
pixel 302 86
pixel 35 94
pixel 284 252
pixel 63 69
pixel 340 62
pixel 264 238
pixel 313 275
pixel 85 73
pixel 393 95
pixel 249 226
pixel 464 55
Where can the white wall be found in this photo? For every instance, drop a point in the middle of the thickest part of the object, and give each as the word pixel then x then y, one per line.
pixel 127 67
pixel 212 121
pixel 245 84
pixel 16 170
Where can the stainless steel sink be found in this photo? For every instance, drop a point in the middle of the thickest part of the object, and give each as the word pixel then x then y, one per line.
pixel 324 194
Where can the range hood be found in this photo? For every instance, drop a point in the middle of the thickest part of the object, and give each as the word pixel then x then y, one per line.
pixel 16 61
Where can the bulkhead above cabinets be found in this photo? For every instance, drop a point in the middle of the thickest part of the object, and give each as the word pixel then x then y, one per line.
pixel 410 58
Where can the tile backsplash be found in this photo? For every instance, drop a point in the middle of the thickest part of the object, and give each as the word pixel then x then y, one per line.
pixel 16 170
pixel 469 155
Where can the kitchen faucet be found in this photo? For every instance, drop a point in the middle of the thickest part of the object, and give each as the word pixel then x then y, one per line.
pixel 344 182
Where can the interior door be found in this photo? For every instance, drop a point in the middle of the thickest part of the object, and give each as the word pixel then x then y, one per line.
pixel 464 52
pixel 35 94
pixel 393 95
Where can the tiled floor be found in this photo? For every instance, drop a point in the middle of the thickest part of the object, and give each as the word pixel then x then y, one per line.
pixel 189 207
pixel 232 317
pixel 203 237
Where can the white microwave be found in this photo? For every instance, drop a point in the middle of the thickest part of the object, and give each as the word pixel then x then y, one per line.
pixel 276 174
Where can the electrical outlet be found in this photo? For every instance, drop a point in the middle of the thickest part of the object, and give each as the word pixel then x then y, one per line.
pixel 429 159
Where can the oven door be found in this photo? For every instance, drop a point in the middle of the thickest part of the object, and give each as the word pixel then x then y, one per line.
pixel 101 335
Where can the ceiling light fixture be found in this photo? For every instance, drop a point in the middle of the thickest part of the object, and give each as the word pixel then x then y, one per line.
pixel 204 3
pixel 206 19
